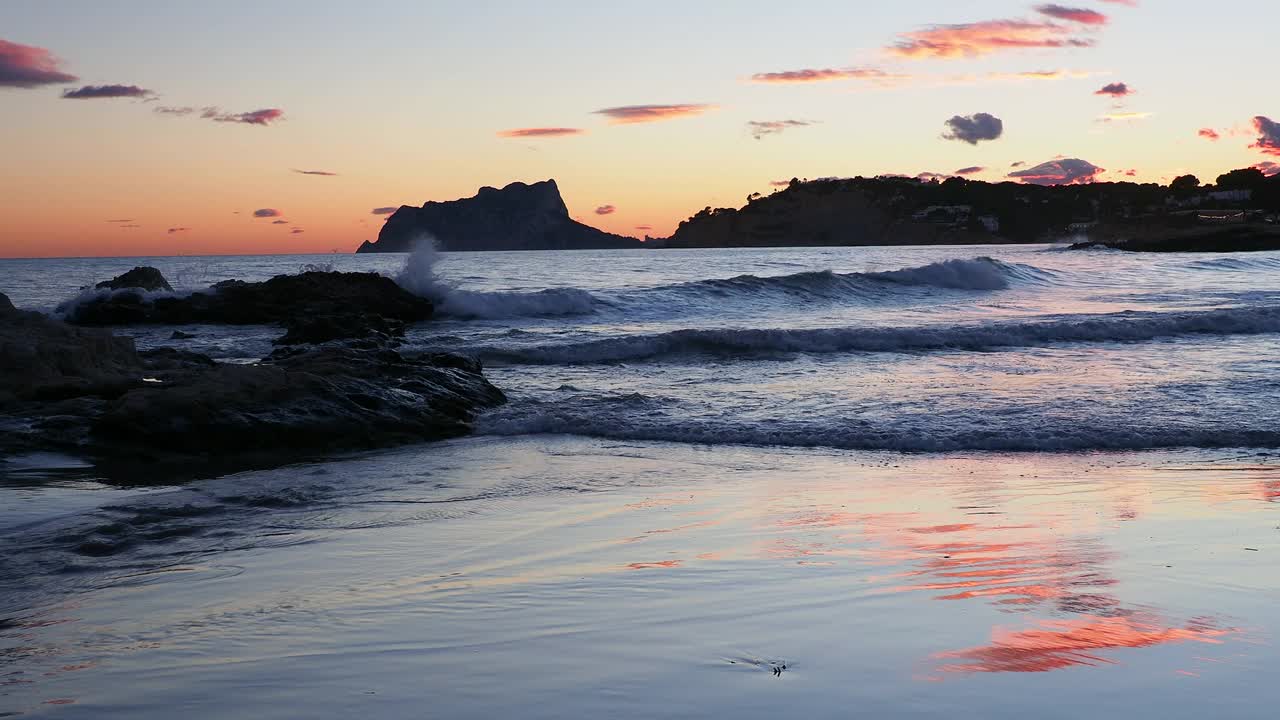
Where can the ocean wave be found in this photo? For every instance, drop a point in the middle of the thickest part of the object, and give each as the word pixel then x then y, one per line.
pixel 1118 327
pixel 638 418
pixel 981 273
pixel 420 276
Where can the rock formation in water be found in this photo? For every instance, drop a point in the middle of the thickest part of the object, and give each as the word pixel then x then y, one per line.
pixel 309 297
pixel 517 217
pixel 86 391
pixel 143 278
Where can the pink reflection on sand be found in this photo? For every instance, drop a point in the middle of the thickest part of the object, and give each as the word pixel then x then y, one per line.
pixel 1057 644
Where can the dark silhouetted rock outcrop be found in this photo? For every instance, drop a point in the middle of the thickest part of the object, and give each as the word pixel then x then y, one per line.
pixel 143 278
pixel 517 217
pixel 327 328
pixel 86 391
pixel 5 304
pixel 278 300
pixel 42 358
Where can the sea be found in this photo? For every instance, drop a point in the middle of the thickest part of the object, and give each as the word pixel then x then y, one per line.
pixel 880 482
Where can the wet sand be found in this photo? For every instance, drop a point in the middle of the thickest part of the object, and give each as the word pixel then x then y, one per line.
pixel 555 577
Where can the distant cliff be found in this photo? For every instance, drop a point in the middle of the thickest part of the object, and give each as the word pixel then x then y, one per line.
pixel 517 217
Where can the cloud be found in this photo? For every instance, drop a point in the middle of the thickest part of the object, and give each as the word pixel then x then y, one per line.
pixel 1045 75
pixel 173 230
pixel 540 132
pixel 214 113
pixel 256 117
pixel 126 220
pixel 632 114
pixel 25 66
pixel 815 75
pixel 297 231
pixel 606 210
pixel 94 92
pixel 1131 173
pixel 974 128
pixel 644 227
pixel 1130 3
pixel 1066 171
pixel 932 176
pixel 1268 135
pixel 1116 90
pixel 780 183
pixel 384 210
pixel 967 40
pixel 1123 116
pixel 1083 16
pixel 324 173
pixel 267 212
pixel 279 222
pixel 760 128
pixel 974 170
pixel 1209 134
pixel 1019 163
pixel 1268 168
pixel 130 225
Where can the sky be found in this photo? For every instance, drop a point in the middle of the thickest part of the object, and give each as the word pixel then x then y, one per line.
pixel 178 127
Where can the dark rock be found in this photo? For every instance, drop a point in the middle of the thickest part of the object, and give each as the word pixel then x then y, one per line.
pixel 322 329
pixel 280 299
pixel 41 357
pixel 5 304
pixel 143 278
pixel 517 217
pixel 84 390
pixel 320 399
pixel 1208 238
pixel 179 335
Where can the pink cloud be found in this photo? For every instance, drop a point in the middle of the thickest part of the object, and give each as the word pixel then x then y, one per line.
pixel 1268 135
pixel 1083 16
pixel 606 210
pixel 986 37
pixel 644 227
pixel 297 231
pixel 1130 3
pixel 971 170
pixel 256 117
pixel 632 114
pixel 25 66
pixel 1209 134
pixel 94 92
pixel 1065 171
pixel 267 212
pixel 1268 168
pixel 279 222
pixel 814 75
pixel 324 173
pixel 173 230
pixel 1116 90
pixel 540 132
pixel 384 210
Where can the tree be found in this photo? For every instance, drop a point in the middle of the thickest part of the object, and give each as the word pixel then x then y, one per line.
pixel 1242 179
pixel 1185 185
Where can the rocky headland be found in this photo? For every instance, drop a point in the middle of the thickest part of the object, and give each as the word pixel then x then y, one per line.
pixel 517 217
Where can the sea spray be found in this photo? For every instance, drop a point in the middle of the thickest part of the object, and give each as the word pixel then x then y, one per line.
pixel 419 276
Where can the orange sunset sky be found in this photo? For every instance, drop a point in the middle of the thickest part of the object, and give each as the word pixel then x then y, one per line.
pixel 147 127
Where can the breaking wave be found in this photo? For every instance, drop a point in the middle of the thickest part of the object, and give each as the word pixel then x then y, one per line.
pixel 1119 327
pixel 420 277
